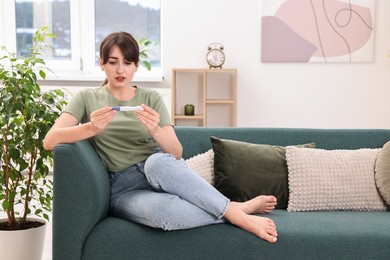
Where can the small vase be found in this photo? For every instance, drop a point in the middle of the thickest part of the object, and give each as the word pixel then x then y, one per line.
pixel 189 110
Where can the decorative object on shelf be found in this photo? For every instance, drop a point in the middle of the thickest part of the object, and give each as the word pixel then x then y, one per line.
pixel 189 110
pixel 27 114
pixel 215 56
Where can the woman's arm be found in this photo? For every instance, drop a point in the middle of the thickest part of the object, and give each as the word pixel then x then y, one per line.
pixel 164 136
pixel 67 129
pixel 168 141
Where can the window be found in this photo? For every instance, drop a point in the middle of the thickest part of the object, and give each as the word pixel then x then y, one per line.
pixel 30 15
pixel 80 26
pixel 140 18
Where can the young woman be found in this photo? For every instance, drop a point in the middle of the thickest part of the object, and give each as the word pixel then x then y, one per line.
pixel 150 181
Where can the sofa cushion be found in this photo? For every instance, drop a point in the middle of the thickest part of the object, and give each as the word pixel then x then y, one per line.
pixel 332 180
pixel 203 165
pixel 382 172
pixel 245 170
pixel 327 235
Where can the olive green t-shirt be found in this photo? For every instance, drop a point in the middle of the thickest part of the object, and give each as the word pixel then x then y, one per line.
pixel 125 141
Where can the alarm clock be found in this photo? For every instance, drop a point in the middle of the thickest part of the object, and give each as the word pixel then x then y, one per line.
pixel 215 56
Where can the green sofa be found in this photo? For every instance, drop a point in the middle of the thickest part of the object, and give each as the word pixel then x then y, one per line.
pixel 84 229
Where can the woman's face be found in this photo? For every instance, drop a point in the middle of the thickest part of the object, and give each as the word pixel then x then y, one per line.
pixel 118 70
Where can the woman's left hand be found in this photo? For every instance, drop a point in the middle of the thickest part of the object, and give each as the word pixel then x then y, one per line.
pixel 149 118
pixel 164 136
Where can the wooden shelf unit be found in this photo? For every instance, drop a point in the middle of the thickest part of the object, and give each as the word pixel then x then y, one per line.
pixel 213 92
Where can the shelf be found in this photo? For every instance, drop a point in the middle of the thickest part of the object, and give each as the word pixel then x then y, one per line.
pixel 206 70
pixel 220 101
pixel 213 92
pixel 197 117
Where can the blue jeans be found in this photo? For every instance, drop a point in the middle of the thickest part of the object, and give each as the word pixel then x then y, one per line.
pixel 165 193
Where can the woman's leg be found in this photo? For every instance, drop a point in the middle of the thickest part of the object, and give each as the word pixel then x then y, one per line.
pixel 134 199
pixel 167 174
pixel 161 210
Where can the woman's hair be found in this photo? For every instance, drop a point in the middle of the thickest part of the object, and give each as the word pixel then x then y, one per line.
pixel 125 42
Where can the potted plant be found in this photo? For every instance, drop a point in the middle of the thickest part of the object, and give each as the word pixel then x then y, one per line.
pixel 144 46
pixel 26 115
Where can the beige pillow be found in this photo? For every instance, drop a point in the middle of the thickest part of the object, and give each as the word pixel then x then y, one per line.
pixel 382 172
pixel 203 165
pixel 332 180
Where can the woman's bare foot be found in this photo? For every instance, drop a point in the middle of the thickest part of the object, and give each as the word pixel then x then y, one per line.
pixel 262 227
pixel 258 205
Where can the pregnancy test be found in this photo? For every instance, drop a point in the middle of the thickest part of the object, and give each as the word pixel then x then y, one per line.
pixel 126 108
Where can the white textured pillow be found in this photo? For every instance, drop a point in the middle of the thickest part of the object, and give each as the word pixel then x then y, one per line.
pixel 203 164
pixel 332 180
pixel 382 172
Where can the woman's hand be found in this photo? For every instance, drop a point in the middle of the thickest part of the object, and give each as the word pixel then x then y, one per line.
pixel 101 118
pixel 67 129
pixel 149 118
pixel 165 136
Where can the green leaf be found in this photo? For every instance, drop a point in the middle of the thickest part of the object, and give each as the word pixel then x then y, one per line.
pixel 51 35
pixel 14 153
pixel 42 74
pixel 5 205
pixel 144 45
pixel 146 64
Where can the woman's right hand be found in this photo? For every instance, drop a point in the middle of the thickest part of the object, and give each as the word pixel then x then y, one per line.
pixel 101 118
pixel 67 129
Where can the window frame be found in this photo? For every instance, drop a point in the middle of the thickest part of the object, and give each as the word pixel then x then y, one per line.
pixel 82 66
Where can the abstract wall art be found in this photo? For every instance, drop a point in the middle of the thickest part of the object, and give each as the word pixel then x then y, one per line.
pixel 317 31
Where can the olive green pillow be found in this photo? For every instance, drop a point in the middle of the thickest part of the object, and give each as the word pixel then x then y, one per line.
pixel 245 170
pixel 382 172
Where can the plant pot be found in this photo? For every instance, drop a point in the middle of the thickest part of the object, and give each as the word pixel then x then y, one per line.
pixel 23 244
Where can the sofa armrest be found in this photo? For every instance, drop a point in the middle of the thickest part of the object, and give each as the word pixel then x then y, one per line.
pixel 81 197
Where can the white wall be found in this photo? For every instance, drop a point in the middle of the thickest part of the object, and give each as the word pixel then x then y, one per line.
pixel 333 95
